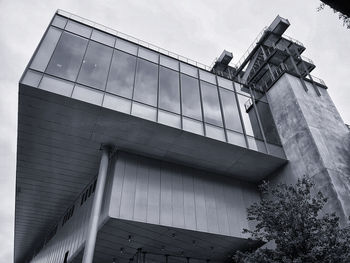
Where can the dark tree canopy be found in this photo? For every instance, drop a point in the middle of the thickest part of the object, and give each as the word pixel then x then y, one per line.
pixel 289 217
pixel 340 7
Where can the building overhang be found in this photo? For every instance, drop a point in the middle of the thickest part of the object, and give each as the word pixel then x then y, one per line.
pixel 58 155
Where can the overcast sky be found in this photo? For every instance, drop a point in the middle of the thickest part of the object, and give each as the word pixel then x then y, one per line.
pixel 199 30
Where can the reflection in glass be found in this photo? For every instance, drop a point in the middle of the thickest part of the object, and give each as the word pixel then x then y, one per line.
pixel 59 21
pixel 189 70
pixel 68 55
pixel 148 54
pixel 126 46
pixel 169 91
pixel 215 132
pixel 169 119
pixel 78 28
pixel 230 110
pixel 87 94
pixel 95 66
pixel 144 111
pixel 209 77
pixel 169 62
pixel 32 78
pixel 56 85
pixel 103 37
pixel 45 50
pixel 192 126
pixel 191 105
pixel 146 84
pixel 211 104
pixel 267 123
pixel 121 75
pixel 236 138
pixel 117 103
pixel 249 117
pixel 225 83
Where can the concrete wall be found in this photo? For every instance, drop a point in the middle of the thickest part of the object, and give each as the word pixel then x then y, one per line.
pixel 156 192
pixel 315 139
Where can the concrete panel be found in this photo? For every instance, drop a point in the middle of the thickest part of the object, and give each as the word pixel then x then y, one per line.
pixel 315 139
pixel 171 195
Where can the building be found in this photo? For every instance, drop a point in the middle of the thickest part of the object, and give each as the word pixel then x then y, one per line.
pixel 128 152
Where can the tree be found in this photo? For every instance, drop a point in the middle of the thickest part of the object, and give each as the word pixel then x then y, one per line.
pixel 289 217
pixel 341 8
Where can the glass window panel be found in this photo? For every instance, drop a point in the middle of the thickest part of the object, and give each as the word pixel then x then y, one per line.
pixel 169 91
pixel 225 83
pixel 256 145
pixel 87 94
pixel 211 104
pixel 236 138
pixel 169 119
pixel 189 70
pixel 45 50
pixel 148 54
pixel 78 28
pixel 146 84
pixel 144 111
pixel 230 110
pixel 267 122
pixel 56 85
pixel 207 76
pixel 122 74
pixel 192 126
pixel 191 105
pixel 126 46
pixel 95 66
pixel 215 132
pixel 103 37
pixel 68 55
pixel 249 117
pixel 117 103
pixel 32 78
pixel 59 21
pixel 169 62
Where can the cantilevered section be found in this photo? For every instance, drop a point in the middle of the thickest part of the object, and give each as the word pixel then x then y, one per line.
pixel 87 85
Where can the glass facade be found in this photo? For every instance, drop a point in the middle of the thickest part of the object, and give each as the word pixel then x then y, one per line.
pixel 87 64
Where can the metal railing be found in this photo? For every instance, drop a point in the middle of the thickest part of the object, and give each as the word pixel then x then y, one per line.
pixel 317 80
pixel 293 40
pixel 308 60
pixel 250 48
pixel 132 39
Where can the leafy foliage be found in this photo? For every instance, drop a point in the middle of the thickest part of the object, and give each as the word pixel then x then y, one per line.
pixel 344 18
pixel 289 218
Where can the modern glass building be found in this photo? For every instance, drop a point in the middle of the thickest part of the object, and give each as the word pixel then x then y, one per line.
pixel 129 152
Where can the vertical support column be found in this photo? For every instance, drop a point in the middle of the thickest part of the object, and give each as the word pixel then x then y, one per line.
pixel 297 70
pixel 308 73
pixel 96 207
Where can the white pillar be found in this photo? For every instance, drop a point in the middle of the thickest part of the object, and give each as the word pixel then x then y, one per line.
pixel 96 207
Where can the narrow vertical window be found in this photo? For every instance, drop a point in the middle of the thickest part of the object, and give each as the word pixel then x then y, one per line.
pixel 211 104
pixel 191 105
pixel 95 66
pixel 122 74
pixel 169 91
pixel 146 84
pixel 230 110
